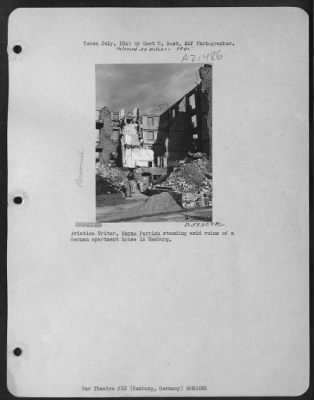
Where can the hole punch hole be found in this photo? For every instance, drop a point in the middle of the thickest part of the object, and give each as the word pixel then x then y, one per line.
pixel 17 351
pixel 17 200
pixel 17 49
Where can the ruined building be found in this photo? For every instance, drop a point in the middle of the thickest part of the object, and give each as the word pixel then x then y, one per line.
pixel 149 128
pixel 109 135
pixel 186 126
pixel 159 140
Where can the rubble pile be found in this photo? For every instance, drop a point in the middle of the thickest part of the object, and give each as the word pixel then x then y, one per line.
pixel 191 182
pixel 109 179
pixel 191 176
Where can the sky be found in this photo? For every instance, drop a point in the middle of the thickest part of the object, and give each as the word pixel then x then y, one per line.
pixel 148 85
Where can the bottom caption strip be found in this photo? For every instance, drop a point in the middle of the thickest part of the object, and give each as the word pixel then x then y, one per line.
pixel 136 388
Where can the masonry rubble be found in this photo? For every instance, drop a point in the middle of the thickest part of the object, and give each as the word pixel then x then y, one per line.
pixel 192 179
pixel 114 178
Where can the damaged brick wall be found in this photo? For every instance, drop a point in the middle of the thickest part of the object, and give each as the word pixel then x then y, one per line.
pixel 205 97
pixel 180 136
pixel 105 136
pixel 175 124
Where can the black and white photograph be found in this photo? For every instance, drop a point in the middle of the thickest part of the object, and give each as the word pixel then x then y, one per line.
pixel 153 142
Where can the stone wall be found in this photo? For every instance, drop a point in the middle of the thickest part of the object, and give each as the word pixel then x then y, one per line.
pixel 105 136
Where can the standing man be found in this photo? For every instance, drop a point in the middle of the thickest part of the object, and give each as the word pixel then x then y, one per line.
pixel 131 183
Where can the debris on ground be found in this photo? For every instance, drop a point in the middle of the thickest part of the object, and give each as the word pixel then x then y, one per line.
pixel 189 185
pixel 109 179
pixel 192 180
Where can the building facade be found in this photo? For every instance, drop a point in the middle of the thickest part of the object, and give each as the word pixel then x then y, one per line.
pixel 149 129
pixel 107 146
pixel 186 126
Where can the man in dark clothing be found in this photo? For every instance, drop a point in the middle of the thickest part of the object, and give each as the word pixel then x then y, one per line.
pixel 131 183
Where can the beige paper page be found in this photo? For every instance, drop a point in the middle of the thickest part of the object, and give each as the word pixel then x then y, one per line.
pixel 200 314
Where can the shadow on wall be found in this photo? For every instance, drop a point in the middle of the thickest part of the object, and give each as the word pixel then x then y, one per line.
pixel 178 131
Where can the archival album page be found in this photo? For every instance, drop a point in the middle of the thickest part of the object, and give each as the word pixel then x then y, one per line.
pixel 158 202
